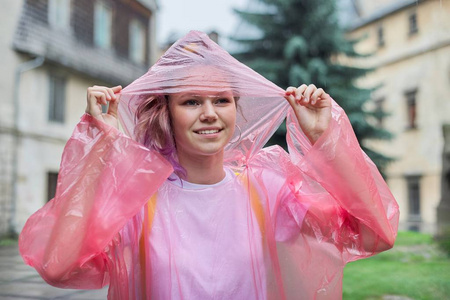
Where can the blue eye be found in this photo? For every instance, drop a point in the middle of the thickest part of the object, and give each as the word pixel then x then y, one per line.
pixel 191 103
pixel 223 101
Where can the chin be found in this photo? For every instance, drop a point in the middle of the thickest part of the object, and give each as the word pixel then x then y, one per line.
pixel 210 152
pixel 203 149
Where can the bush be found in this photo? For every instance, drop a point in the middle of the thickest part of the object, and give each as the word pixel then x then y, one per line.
pixel 443 240
pixel 7 241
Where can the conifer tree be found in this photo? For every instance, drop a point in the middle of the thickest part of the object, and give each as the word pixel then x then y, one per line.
pixel 298 41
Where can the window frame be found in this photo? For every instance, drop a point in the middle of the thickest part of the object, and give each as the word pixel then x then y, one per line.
pixel 379 111
pixel 134 27
pixel 52 182
pixel 103 31
pixel 411 108
pixel 59 14
pixel 413 26
pixel 57 108
pixel 413 188
pixel 380 36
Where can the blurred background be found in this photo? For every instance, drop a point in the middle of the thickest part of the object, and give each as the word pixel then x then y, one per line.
pixel 386 62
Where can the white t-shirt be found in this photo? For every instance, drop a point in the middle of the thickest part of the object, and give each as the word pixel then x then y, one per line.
pixel 202 243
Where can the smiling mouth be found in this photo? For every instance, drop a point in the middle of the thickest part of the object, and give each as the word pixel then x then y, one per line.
pixel 208 131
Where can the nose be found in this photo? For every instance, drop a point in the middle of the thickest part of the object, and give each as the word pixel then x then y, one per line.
pixel 209 112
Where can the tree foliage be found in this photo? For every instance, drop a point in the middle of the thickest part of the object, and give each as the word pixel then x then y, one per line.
pixel 298 42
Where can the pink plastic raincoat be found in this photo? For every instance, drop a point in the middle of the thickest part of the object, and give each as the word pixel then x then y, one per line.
pixel 281 226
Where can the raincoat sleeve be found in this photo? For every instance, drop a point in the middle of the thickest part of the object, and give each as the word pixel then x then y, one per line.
pixel 346 200
pixel 105 178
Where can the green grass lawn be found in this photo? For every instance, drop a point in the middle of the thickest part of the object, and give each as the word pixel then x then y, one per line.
pixel 414 268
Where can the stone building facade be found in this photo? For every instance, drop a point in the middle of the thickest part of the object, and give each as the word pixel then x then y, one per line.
pixel 50 52
pixel 409 43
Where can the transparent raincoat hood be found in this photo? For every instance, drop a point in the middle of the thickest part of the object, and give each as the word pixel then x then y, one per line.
pixel 281 226
pixel 196 63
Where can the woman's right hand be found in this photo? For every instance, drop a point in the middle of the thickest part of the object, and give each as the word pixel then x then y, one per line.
pixel 98 95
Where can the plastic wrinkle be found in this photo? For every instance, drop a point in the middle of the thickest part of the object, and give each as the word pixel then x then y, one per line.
pixel 279 226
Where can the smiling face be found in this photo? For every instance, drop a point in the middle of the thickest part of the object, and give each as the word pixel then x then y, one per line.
pixel 202 123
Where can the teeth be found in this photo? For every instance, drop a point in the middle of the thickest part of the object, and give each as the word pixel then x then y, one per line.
pixel 208 131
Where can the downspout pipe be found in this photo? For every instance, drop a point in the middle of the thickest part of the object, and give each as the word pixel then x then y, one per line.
pixel 21 68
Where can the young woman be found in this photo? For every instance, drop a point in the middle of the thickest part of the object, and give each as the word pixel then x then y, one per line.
pixel 192 207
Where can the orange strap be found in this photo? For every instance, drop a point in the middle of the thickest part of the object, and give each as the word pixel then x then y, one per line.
pixel 256 204
pixel 149 214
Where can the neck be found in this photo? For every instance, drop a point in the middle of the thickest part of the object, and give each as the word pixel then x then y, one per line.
pixel 206 169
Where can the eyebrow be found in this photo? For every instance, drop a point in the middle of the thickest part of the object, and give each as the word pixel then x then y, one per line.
pixel 218 95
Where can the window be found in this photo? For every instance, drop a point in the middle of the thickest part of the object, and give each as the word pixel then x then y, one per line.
pixel 379 111
pixel 411 109
pixel 102 25
pixel 413 23
pixel 413 185
pixel 52 179
pixel 57 99
pixel 59 14
pixel 380 36
pixel 137 41
pixel 150 4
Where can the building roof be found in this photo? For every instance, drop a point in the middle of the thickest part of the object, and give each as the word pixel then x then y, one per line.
pixel 34 36
pixel 382 12
pixel 150 4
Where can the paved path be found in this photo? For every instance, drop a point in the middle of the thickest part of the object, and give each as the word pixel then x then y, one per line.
pixel 19 281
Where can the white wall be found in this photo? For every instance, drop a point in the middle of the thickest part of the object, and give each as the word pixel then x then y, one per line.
pixel 407 62
pixel 43 142
pixel 9 14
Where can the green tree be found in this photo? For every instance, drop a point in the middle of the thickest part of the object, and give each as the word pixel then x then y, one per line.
pixel 298 41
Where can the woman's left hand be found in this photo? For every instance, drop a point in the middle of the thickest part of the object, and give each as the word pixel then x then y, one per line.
pixel 312 106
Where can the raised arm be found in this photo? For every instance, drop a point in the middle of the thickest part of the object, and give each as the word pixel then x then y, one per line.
pixel 357 209
pixel 104 180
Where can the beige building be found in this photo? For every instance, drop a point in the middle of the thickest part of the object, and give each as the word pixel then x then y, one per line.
pixel 410 45
pixel 50 52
